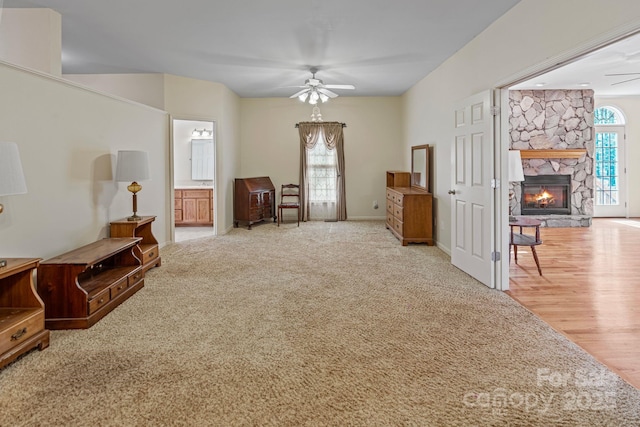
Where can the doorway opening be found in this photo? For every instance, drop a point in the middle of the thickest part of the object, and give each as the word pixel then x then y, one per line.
pixel 193 180
pixel 610 169
pixel 551 76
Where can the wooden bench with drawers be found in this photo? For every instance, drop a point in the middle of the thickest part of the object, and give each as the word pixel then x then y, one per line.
pixel 82 286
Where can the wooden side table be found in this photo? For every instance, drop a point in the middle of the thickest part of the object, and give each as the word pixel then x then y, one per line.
pixel 149 252
pixel 521 239
pixel 21 311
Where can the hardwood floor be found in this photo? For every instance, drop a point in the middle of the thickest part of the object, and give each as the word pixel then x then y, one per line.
pixel 589 289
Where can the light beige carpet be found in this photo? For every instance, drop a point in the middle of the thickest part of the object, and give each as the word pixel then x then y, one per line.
pixel 326 324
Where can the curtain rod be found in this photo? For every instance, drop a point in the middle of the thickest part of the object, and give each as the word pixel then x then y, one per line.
pixel 344 125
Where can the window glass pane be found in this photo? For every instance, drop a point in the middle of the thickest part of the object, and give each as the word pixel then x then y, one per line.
pixel 606 116
pixel 606 166
pixel 322 173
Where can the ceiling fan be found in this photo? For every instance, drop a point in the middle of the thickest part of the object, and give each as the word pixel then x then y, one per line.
pixel 316 90
pixel 623 74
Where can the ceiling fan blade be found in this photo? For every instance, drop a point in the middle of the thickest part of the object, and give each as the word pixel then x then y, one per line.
pixel 297 94
pixel 339 86
pixel 625 81
pixel 327 92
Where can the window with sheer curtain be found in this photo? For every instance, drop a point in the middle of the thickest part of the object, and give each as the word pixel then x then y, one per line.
pixel 322 171
pixel 322 174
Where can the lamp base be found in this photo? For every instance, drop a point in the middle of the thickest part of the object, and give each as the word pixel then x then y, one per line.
pixel 134 188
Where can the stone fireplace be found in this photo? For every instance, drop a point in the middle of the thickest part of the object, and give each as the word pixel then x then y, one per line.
pixel 546 125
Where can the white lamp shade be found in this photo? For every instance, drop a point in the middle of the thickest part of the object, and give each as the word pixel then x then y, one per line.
pixel 132 166
pixel 11 174
pixel 515 166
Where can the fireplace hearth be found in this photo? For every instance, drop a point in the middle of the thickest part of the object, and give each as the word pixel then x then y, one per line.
pixel 546 195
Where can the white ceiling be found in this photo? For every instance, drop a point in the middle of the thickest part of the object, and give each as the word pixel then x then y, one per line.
pixel 255 47
pixel 594 71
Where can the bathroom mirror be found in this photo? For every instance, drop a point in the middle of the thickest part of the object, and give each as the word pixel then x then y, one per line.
pixel 201 159
pixel 420 167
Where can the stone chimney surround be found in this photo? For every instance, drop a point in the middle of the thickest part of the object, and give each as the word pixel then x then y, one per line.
pixel 543 122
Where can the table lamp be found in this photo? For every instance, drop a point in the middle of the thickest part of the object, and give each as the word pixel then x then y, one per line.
pixel 11 175
pixel 516 174
pixel 133 166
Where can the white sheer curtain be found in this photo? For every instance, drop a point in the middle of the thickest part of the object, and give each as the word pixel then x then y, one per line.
pixel 323 176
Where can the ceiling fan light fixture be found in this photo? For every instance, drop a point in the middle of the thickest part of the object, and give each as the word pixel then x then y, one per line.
pixel 313 98
pixel 315 90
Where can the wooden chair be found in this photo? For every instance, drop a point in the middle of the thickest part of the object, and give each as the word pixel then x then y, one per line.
pixel 289 199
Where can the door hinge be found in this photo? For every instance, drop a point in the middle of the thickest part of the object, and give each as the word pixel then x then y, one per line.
pixel 495 183
pixel 495 110
pixel 495 256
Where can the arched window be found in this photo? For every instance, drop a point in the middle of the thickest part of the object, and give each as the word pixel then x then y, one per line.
pixel 609 162
pixel 608 116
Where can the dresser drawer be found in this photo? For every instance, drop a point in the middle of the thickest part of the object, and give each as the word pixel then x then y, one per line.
pixel 254 201
pixel 135 277
pixel 196 194
pixel 399 199
pixel 398 226
pixel 149 253
pixel 256 214
pixel 31 323
pixel 99 301
pixel 390 219
pixel 390 205
pixel 398 212
pixel 119 287
pixel 390 195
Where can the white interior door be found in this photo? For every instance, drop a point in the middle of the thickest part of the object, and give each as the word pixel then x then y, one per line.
pixel 471 193
pixel 610 194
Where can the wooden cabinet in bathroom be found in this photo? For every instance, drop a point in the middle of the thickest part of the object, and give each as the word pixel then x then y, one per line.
pixel 193 207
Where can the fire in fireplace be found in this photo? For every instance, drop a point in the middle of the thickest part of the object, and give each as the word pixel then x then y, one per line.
pixel 546 194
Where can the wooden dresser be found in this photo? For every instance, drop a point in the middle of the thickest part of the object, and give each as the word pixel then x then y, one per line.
pixel 254 200
pixel 21 311
pixel 409 210
pixel 82 286
pixel 193 207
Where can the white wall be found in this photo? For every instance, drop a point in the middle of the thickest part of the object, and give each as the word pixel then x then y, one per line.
pixel 373 144
pixel 504 50
pixel 187 99
pixel 145 88
pixel 31 38
pixel 193 99
pixel 68 138
pixel 630 107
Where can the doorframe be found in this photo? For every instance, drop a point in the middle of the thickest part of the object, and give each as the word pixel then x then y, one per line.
pixel 501 140
pixel 172 215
